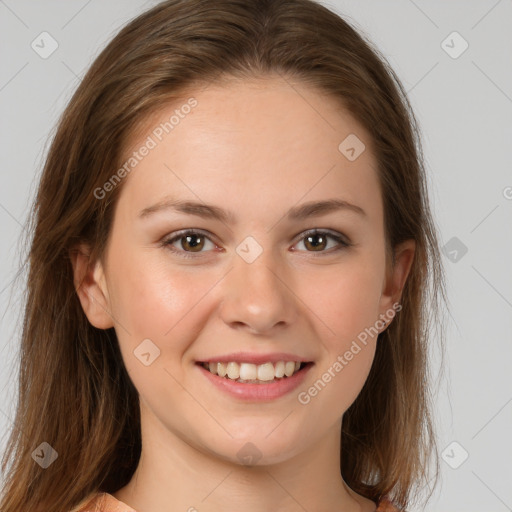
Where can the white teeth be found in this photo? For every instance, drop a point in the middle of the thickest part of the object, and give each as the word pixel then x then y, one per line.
pixel 289 368
pixel 233 370
pixel 248 372
pixel 222 369
pixel 279 369
pixel 266 371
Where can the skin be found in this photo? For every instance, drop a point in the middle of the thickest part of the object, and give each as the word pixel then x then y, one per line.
pixel 256 148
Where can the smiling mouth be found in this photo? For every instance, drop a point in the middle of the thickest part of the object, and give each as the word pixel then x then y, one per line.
pixel 248 373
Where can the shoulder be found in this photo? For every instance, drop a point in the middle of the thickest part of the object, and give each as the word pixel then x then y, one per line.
pixel 102 502
pixel 385 505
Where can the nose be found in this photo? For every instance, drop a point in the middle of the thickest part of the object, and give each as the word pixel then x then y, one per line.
pixel 257 296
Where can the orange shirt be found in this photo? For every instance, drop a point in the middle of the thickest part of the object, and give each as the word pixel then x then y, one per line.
pixel 104 502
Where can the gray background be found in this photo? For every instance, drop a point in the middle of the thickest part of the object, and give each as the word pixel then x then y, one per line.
pixel 464 106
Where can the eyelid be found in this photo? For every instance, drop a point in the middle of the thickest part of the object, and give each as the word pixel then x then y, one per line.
pixel 339 237
pixel 167 241
pixel 342 240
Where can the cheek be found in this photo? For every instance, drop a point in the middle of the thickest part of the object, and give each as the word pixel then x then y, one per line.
pixel 347 302
pixel 155 304
pixel 346 299
pixel 343 378
pixel 350 311
pixel 152 302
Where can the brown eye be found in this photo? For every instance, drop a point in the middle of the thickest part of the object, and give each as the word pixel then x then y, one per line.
pixel 188 243
pixel 193 242
pixel 318 241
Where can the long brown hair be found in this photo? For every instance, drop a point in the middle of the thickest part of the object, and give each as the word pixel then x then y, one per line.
pixel 74 391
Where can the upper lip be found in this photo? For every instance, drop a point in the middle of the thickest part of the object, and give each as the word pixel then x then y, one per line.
pixel 248 357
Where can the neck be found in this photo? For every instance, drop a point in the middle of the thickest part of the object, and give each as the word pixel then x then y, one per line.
pixel 174 474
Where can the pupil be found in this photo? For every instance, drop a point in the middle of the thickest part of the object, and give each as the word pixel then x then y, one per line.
pixel 192 237
pixel 312 237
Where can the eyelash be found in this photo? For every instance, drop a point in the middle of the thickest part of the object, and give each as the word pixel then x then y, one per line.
pixel 185 254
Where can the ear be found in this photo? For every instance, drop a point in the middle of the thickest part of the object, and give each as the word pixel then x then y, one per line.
pixel 90 286
pixel 396 277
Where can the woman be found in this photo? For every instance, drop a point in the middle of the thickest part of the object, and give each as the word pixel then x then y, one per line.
pixel 232 262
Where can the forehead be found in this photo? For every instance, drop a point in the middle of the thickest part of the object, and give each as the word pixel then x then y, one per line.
pixel 254 142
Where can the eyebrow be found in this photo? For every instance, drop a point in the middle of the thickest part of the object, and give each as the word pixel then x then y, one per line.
pixel 208 211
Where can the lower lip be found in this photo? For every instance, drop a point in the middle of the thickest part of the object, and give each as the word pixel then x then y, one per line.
pixel 257 392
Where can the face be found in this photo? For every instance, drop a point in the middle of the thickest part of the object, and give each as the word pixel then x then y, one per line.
pixel 253 273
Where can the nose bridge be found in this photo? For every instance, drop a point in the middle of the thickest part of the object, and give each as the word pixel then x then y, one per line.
pixel 256 293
